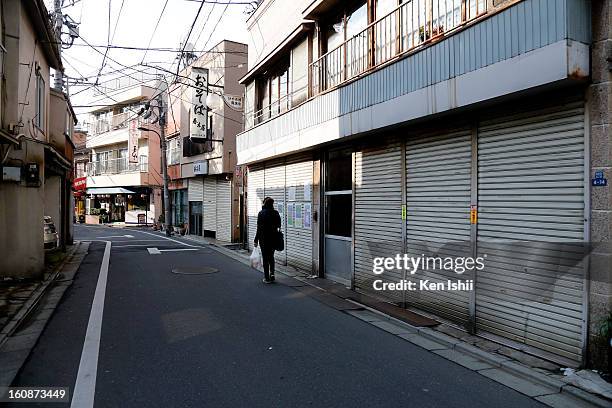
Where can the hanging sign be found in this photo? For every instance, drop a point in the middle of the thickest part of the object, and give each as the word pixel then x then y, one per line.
pixel 198 128
pixel 133 141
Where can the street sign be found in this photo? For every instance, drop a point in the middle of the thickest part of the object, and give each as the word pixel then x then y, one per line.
pixel 200 168
pixel 599 182
pixel 599 174
pixel 199 111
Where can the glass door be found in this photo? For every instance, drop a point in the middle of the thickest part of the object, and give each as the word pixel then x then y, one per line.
pixel 338 203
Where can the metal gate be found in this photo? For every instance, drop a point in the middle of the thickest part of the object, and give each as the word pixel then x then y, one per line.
pixel 274 186
pixel 224 210
pixel 195 191
pixel 378 216
pixel 209 208
pixel 438 185
pixel 255 196
pixel 299 199
pixel 531 187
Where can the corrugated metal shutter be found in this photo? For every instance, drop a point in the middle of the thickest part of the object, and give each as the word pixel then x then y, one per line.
pixel 378 216
pixel 531 187
pixel 209 207
pixel 275 188
pixel 195 189
pixel 255 196
pixel 298 238
pixel 438 184
pixel 224 210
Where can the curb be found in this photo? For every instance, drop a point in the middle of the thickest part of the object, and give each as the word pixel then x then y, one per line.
pixel 556 386
pixel 32 302
pixel 15 350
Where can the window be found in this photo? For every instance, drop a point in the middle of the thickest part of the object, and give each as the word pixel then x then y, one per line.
pixel 39 119
pixel 339 193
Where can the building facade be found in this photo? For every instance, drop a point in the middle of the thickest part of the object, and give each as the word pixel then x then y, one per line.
pixel 450 127
pixel 35 141
pixel 205 196
pixel 124 180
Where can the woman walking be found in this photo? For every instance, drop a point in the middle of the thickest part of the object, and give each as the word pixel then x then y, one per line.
pixel 268 226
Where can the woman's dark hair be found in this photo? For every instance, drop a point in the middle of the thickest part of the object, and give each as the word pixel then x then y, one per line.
pixel 268 203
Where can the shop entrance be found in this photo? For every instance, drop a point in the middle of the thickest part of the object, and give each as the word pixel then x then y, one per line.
pixel 338 214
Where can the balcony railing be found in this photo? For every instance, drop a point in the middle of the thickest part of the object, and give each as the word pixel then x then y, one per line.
pixel 283 104
pixel 117 166
pixel 410 25
pixel 118 121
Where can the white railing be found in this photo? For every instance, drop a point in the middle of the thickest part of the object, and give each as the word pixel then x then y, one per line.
pixel 117 166
pixel 410 25
pixel 118 121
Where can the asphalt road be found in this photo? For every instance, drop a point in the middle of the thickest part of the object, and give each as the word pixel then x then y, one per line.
pixel 227 340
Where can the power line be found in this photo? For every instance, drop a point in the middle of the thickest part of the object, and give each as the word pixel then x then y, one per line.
pixel 178 66
pixel 108 41
pixel 154 30
pixel 156 49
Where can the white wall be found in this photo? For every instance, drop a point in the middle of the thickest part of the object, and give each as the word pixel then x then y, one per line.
pixel 273 21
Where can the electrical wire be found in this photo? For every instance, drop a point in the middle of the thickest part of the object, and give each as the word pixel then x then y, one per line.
pixel 178 65
pixel 154 31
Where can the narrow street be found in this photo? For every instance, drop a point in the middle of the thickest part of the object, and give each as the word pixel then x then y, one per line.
pixel 226 339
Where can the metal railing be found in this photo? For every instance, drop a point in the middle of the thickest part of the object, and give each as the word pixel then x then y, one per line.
pixel 118 121
pixel 410 25
pixel 117 166
pixel 256 116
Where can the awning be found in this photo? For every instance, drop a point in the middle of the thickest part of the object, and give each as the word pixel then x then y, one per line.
pixel 109 190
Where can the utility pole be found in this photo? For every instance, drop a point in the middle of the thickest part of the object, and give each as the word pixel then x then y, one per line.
pixel 162 136
pixel 59 21
pixel 161 120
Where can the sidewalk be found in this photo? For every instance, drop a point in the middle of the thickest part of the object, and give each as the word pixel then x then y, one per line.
pixel 28 317
pixel 538 378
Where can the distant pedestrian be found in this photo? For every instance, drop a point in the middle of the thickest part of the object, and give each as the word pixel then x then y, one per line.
pixel 268 231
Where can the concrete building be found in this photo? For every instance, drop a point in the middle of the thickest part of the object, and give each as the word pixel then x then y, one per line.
pixel 35 139
pixel 449 127
pixel 124 179
pixel 79 182
pixel 205 196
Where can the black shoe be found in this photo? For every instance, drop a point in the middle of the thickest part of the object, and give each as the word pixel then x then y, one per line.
pixel 266 281
pixel 272 278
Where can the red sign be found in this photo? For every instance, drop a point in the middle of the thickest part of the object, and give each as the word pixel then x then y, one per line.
pixel 79 184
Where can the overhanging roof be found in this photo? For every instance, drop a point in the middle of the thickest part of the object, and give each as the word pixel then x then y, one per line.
pixel 109 190
pixel 277 52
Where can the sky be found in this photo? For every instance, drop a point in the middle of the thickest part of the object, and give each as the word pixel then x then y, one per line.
pixel 132 24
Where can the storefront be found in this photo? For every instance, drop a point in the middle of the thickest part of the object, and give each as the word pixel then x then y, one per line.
pixel 121 205
pixel 508 186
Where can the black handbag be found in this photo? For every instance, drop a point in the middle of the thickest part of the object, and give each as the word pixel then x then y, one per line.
pixel 279 245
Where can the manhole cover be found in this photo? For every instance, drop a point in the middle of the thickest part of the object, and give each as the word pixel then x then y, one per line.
pixel 196 270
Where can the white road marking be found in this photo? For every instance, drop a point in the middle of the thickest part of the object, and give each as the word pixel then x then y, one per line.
pixel 178 249
pixel 169 239
pixel 154 251
pixel 85 385
pixel 116 236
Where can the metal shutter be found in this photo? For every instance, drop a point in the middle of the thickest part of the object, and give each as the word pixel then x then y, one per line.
pixel 195 189
pixel 255 196
pixel 299 239
pixel 224 210
pixel 275 188
pixel 209 207
pixel 378 216
pixel 531 201
pixel 438 185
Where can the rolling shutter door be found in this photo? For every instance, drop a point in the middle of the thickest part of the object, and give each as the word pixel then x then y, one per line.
pixel 224 210
pixel 255 196
pixel 438 185
pixel 298 238
pixel 531 223
pixel 209 207
pixel 275 188
pixel 378 216
pixel 195 189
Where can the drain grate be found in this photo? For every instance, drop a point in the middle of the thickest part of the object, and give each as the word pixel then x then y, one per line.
pixel 196 270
